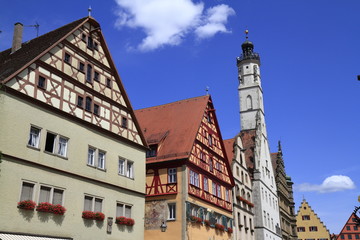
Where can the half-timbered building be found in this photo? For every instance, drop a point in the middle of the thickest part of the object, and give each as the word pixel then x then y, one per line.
pixel 243 204
pixel 73 155
pixel 188 177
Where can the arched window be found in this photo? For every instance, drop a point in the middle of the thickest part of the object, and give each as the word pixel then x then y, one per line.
pixel 249 102
pixel 248 196
pixel 243 193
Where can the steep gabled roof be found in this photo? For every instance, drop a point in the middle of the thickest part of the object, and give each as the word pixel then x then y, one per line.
pixel 173 127
pixel 248 140
pixel 13 63
pixel 229 149
pixel 353 228
pixel 29 51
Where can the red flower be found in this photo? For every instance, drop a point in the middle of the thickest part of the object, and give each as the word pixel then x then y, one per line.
pixel 207 222
pixel 195 219
pixel 230 230
pixel 27 205
pixel 58 209
pixel 125 221
pixel 219 226
pixel 44 207
pixel 88 215
pixel 99 216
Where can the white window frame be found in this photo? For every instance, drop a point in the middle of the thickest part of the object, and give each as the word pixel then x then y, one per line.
pixel 194 178
pixel 34 138
pixel 206 184
pixel 171 211
pixel 124 206
pixel 126 168
pixel 32 190
pixel 96 158
pixel 172 175
pixel 227 199
pixel 51 194
pixel 214 188
pixel 59 144
pixel 94 199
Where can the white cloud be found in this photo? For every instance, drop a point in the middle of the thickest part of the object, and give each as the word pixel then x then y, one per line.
pixel 168 22
pixel 215 20
pixel 333 183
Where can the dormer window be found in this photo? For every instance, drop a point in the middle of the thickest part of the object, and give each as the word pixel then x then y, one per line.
pixel 153 151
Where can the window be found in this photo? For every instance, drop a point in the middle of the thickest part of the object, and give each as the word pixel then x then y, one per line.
pixel 347 227
pixel 208 117
pixel 90 43
pixel 210 140
pixel 355 227
pixel 301 229
pixel 96 46
pixel 357 236
pixel 51 195
pixel 218 191
pixel 349 236
pixel 34 137
pixel 211 165
pixel 89 73
pixel 152 152
pixel 128 165
pixel 172 211
pixel 123 209
pixel 101 158
pixel 108 82
pixel 306 217
pixel 88 103
pixel 313 229
pixel 67 58
pixel 124 122
pixel 96 76
pixel 27 191
pixel 130 169
pixel 41 82
pixel 92 203
pixel 227 195
pixel 206 184
pixel 342 236
pixel 80 101
pixel 96 109
pixel 81 67
pixel 172 175
pixel 194 178
pixel 214 188
pixel 56 144
pixel 83 37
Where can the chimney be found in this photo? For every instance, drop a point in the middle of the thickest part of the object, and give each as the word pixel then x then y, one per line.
pixel 17 39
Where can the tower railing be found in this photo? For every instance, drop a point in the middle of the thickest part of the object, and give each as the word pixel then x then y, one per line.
pixel 253 55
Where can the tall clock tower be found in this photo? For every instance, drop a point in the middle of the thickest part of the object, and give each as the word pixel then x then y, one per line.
pixel 253 130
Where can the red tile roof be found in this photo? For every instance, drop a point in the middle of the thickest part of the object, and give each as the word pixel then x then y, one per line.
pixel 229 149
pixel 173 126
pixel 248 141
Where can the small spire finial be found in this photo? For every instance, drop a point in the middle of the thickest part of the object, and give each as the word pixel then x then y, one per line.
pixel 89 11
pixel 207 90
pixel 246 32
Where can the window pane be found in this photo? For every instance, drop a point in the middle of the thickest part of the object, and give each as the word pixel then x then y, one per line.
pixel 88 103
pixel 58 196
pixel 34 137
pixel 88 203
pixel 62 146
pixel 128 211
pixel 130 170
pixel 119 210
pixel 50 142
pixel 27 191
pixel 172 211
pixel 101 160
pixel 91 156
pixel 98 205
pixel 121 166
pixel 44 194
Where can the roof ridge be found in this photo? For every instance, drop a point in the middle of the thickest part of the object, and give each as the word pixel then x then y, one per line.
pixel 172 103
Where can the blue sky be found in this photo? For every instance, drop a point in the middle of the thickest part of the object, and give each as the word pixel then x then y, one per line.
pixel 310 61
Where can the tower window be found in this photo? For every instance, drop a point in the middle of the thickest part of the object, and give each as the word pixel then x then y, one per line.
pixel 249 104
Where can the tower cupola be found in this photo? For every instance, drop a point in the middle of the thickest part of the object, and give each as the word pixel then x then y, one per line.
pixel 248 50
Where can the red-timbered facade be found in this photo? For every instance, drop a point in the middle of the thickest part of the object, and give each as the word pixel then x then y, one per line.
pixel 187 169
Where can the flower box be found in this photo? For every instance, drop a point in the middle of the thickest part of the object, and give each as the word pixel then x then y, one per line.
pixel 219 226
pixel 207 222
pixel 50 208
pixel 99 216
pixel 88 215
pixel 195 219
pixel 229 230
pixel 125 221
pixel 26 205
